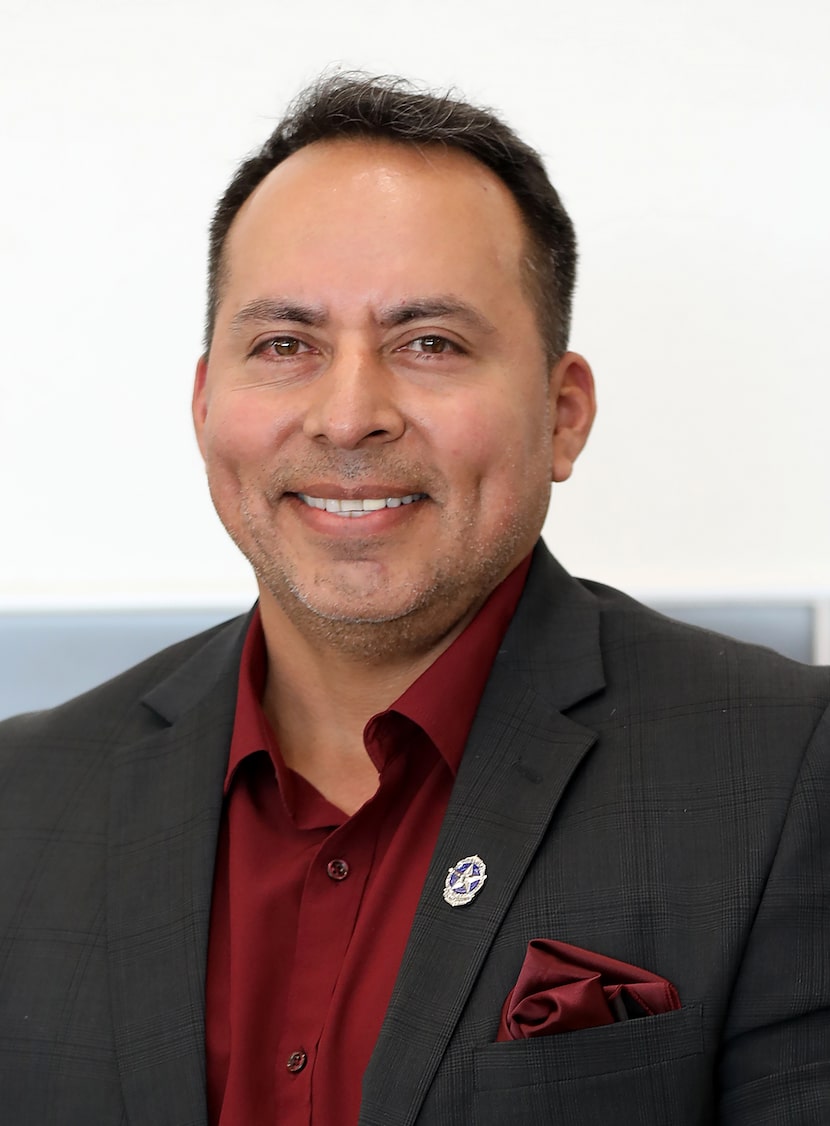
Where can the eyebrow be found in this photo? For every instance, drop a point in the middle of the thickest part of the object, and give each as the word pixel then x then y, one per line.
pixel 267 310
pixel 434 307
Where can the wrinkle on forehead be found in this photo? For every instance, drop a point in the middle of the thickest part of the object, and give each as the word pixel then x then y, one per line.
pixel 265 310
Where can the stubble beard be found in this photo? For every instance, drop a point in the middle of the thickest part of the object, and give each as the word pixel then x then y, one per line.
pixel 428 609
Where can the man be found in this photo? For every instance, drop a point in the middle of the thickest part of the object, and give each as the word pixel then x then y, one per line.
pixel 437 834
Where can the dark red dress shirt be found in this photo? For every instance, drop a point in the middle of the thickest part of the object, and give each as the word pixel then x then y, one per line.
pixel 311 908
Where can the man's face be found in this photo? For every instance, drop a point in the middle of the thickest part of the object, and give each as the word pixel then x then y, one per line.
pixel 375 412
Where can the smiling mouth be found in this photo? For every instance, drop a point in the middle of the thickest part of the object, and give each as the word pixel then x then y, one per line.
pixel 346 507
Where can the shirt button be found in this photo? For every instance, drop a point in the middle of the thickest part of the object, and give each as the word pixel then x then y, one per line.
pixel 296 1061
pixel 337 869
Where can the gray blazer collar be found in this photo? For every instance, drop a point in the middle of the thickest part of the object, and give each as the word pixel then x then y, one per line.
pixel 521 753
pixel 166 804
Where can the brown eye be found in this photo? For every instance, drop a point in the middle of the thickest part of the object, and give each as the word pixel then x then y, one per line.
pixel 285 345
pixel 431 344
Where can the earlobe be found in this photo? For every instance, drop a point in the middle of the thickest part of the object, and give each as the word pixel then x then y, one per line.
pixel 573 402
pixel 199 403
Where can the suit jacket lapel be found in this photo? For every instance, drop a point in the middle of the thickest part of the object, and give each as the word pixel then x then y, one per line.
pixel 165 809
pixel 520 755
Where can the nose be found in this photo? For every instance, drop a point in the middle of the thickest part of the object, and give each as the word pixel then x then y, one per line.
pixel 353 403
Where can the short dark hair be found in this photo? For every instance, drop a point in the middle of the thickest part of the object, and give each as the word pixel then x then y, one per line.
pixel 350 105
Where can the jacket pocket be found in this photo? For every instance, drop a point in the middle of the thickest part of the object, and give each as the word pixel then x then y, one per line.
pixel 652 1070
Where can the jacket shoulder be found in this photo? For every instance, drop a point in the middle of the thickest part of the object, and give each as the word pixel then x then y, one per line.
pixel 114 706
pixel 679 660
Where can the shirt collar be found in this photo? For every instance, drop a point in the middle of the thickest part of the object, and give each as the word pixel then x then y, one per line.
pixel 442 701
pixel 445 697
pixel 251 730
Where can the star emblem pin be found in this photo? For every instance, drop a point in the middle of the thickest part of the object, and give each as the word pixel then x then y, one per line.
pixel 464 881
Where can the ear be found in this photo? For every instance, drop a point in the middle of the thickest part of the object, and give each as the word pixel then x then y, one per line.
pixel 199 405
pixel 573 407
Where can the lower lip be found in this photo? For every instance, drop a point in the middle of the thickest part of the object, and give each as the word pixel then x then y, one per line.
pixel 371 523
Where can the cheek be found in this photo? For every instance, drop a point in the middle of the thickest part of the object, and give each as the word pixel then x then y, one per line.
pixel 240 433
pixel 501 448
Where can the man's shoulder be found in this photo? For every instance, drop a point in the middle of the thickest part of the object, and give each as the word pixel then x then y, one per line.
pixel 110 709
pixel 637 652
pixel 638 636
pixel 653 658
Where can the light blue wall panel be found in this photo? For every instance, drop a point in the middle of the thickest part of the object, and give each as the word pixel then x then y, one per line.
pixel 46 658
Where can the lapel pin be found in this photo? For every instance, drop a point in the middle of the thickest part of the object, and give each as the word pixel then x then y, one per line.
pixel 464 881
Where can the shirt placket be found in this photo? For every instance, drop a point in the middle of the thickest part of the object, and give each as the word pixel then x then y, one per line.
pixel 332 893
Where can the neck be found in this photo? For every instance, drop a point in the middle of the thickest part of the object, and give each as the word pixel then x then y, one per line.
pixel 318 698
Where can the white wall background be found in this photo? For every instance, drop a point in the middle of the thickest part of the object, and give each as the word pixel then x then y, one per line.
pixel 689 141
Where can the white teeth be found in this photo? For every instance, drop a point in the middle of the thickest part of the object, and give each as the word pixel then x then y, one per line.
pixel 347 507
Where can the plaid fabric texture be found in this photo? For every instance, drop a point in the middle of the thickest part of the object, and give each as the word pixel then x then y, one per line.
pixel 649 791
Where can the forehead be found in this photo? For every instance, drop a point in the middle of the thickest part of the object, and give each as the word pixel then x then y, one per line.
pixel 378 205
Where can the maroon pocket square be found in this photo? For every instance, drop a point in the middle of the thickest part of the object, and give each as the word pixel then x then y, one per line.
pixel 562 988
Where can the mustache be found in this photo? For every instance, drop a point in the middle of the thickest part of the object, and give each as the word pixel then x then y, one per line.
pixel 354 467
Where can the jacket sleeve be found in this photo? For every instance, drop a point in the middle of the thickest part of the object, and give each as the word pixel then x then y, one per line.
pixel 775 1064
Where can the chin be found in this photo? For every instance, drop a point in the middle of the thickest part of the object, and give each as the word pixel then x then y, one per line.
pixel 362 610
pixel 373 629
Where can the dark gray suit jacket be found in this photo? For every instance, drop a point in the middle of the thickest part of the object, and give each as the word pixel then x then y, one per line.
pixel 636 787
